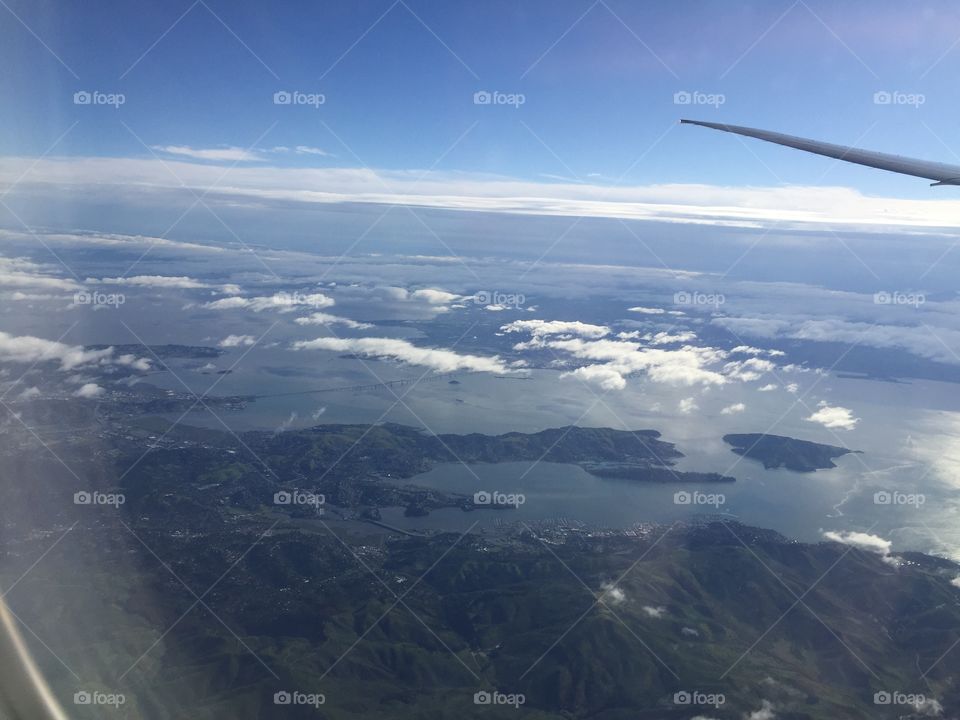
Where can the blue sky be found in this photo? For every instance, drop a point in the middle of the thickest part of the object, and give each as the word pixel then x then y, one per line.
pixel 598 80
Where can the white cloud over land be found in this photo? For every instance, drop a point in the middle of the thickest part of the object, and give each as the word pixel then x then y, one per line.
pixel 437 359
pixel 834 418
pixel 27 349
pixel 232 341
pixel 283 302
pixel 89 390
pixel 178 282
pixel 543 328
pixel 322 318
pixel 864 541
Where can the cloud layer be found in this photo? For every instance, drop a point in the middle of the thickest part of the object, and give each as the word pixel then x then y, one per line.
pixel 29 349
pixel 793 206
pixel 438 360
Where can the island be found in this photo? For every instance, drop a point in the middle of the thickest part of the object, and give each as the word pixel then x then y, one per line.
pixel 776 451
pixel 403 451
pixel 164 351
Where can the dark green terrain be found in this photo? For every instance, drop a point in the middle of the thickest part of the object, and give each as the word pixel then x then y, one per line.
pixel 776 451
pixel 199 597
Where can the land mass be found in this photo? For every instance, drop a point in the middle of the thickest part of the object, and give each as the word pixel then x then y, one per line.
pixel 393 626
pixel 776 451
pixel 163 352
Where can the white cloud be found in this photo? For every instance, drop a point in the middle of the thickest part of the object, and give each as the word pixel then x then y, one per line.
pixel 283 302
pixel 107 240
pixel 687 405
pixel 227 154
pixel 834 417
pixel 764 713
pixel 439 360
pixel 916 339
pixel 308 150
pixel 654 612
pixel 132 361
pixel 748 370
pixel 232 341
pixel 956 581
pixel 181 282
pixel 232 303
pixel 29 349
pixel 30 392
pixel 687 365
pixel 89 390
pixel 647 310
pixel 791 206
pixel 928 707
pixel 604 377
pixel 543 328
pixel 322 318
pixel 861 540
pixel 163 281
pixel 435 296
pixel 395 293
pixel 612 594
pixel 770 387
pixel 733 409
pixel 285 425
pixel 665 338
pixel 19 272
pixel 609 361
pixel 18 296
pixel 750 350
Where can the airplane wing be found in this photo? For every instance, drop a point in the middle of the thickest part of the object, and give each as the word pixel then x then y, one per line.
pixel 942 173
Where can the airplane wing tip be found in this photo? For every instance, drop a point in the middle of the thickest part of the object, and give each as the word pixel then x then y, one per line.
pixel 702 123
pixel 942 173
